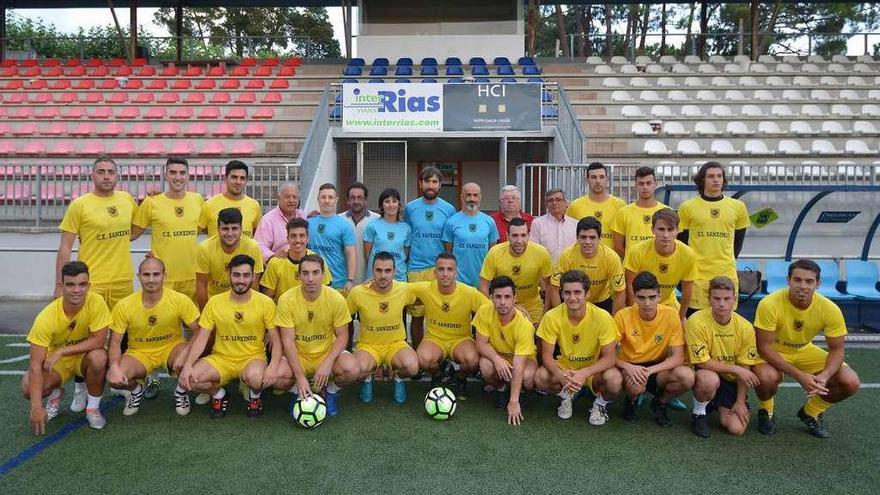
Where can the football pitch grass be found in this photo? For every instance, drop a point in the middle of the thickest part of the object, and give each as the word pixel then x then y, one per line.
pixel 385 448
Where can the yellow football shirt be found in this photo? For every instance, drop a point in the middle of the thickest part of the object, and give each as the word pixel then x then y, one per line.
pixel 526 270
pixel 175 230
pixel 634 222
pixel 643 341
pixel 53 329
pixel 103 226
pixel 381 315
pixel 213 261
pixel 156 327
pixel 581 344
pixel 711 225
pixel 517 338
pixel 796 328
pixel 733 343
pixel 448 316
pixel 604 212
pixel 251 213
pixel 604 270
pixel 314 322
pixel 283 274
pixel 239 329
pixel 669 270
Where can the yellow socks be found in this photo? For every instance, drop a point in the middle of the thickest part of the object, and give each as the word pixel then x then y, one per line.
pixel 767 405
pixel 815 406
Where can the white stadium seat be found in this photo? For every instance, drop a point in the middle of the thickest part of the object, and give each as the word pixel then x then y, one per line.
pixel 849 95
pixel 862 68
pixel 874 94
pixel 594 60
pixel 733 68
pixel 612 82
pixel 758 68
pixel 618 60
pixel 769 127
pixel 809 110
pixel 721 111
pixel 678 95
pixel 631 111
pixel 784 67
pixel 835 68
pixel 655 147
pixel 856 81
pixel 692 59
pixel 747 81
pixel 792 95
pixel 721 81
pixel 781 111
pixel 643 60
pixel 737 128
pixel 767 59
pixel 675 129
pixel 801 81
pixel 791 59
pixel 661 111
pixel 858 147
pixel 693 81
pixel 757 147
pixel 828 81
pixel 833 127
pixel 723 147
pixel 706 95
pixel 742 59
pixel 717 59
pixel 628 69
pixel 866 59
pixel 763 95
pixel 639 82
pixel 824 147
pixel 820 95
pixel 666 82
pixel 706 69
pixel 734 95
pixel 681 69
pixel 649 95
pixel 654 69
pixel 790 147
pixel 688 147
pixel 668 59
pixel 642 129
pixel 777 81
pixel 817 59
pixel 704 128
pixel 864 127
pixel 841 110
pixel 621 96
pixel 603 69
pixel 801 128
pixel 751 111
pixel 871 110
pixel 811 68
pixel 691 111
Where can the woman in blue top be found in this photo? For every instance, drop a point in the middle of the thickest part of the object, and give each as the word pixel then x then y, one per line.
pixel 388 233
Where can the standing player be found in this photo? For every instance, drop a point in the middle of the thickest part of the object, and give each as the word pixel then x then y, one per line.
pixel 506 343
pixel 527 263
pixel 722 349
pixel 242 320
pixel 233 197
pixel 785 324
pixel 469 234
pixel 282 273
pixel 388 234
pixel 632 223
pixel 509 207
pixel 379 306
pixel 426 216
pixel 215 253
pixel 313 322
pixel 151 318
pixel 598 202
pixel 449 308
pixel 587 338
pixel 652 354
pixel 332 238
pixel 599 262
pixel 66 340
pixel 714 226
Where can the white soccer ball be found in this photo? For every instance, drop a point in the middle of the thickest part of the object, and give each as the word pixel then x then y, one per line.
pixel 440 403
pixel 309 412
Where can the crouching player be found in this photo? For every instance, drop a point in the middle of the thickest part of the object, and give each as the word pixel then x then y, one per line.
pixel 241 318
pixel 506 343
pixel 151 317
pixel 67 340
pixel 722 348
pixel 587 340
pixel 651 354
pixel 313 322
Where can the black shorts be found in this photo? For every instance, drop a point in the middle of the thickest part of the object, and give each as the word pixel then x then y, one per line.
pixel 725 396
pixel 606 304
pixel 652 387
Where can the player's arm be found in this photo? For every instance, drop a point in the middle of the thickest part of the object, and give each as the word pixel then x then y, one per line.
pixel 503 368
pixel 484 286
pixel 288 343
pixel 351 265
pixel 114 354
pixel 368 248
pixel 181 358
pixel 687 290
pixel 136 231
pixel 196 348
pixel 65 247
pixel 834 360
pixel 514 411
pixel 35 377
pixel 619 244
pixel 619 301
pixel 630 295
pixel 270 376
pixel 269 292
pixel 95 340
pixel 545 289
pixel 549 361
pixel 739 237
pixel 764 340
pixel 447 246
pixel 607 359
pixel 325 369
pixel 672 361
pixel 255 283
pixel 201 290
pixel 743 373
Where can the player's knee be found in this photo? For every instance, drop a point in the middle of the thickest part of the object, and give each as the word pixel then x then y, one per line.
pixel 736 428
pixel 850 383
pixel 633 389
pixel 685 377
pixel 768 375
pixel 96 359
pixel 612 379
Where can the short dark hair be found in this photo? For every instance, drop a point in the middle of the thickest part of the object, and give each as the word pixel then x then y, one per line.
pixel 149 259
pixel 357 185
pixel 176 159
pixel 515 222
pixel 597 166
pixel 644 172
pixel 700 178
pixel 229 216
pixel 446 255
pixel 327 185
pixel 805 264
pixel 297 223
pixel 242 259
pixel 667 215
pixel 383 255
pixel 236 165
pixel 104 158
pixel 589 223
pixel 429 172
pixel 501 282
pixel 74 268
pixel 645 280
pixel 314 258
pixel 722 283
pixel 575 276
pixel 389 192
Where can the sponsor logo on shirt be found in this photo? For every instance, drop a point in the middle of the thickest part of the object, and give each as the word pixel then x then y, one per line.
pixel 698 350
pixel 71 326
pixel 646 218
pixel 516 269
pixel 753 353
pixel 239 316
pixel 390 236
pixel 658 338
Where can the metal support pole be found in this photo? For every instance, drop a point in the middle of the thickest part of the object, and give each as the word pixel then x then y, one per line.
pixel 178 29
pixel 866 249
pixel 789 249
pixel 571 45
pixel 132 30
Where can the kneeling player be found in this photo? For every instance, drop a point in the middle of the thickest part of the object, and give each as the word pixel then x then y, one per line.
pixel 786 323
pixel 313 322
pixel 506 343
pixel 587 339
pixel 449 309
pixel 722 348
pixel 379 306
pixel 241 318
pixel 67 340
pixel 151 317
pixel 651 354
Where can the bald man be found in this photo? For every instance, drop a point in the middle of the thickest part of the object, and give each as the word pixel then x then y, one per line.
pixel 469 234
pixel 271 234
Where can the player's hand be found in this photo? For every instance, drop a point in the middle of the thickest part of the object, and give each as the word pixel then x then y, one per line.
pixel 348 286
pixel 50 360
pixel 747 376
pixel 514 413
pixel 741 411
pixel 270 376
pixel 115 376
pixel 504 369
pixel 184 377
pixel 574 380
pixel 637 375
pixel 282 252
pixel 38 420
pixel 322 375
pixel 304 389
pixel 811 385
pixel 313 214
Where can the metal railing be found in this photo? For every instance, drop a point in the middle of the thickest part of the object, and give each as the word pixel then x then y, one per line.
pixel 310 157
pixel 568 125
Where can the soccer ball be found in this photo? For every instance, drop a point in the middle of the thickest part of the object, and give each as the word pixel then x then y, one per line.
pixel 440 403
pixel 309 412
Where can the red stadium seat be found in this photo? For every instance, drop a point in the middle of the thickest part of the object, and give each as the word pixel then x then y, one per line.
pixel 182 113
pixel 18 192
pixel 286 71
pixel 9 62
pixel 78 71
pixel 73 62
pixel 128 113
pixel 154 147
pixel 230 84
pixel 196 129
pixel 170 71
pixel 155 113
pixel 30 72
pixel 194 98
pixel 65 98
pixel 183 147
pixel 246 98
pixel 92 97
pixel 113 129
pixel 51 62
pixel 213 148
pixel 123 147
pixel 269 62
pixel 26 130
pixel 263 71
pixel 147 71
pixel 108 84
pixel 48 112
pixel 55 128
pixel 41 98
pixel 217 71
pixel 9 72
pixel 53 71
pixel 16 98
pixel 273 97
pixel 243 148
pixel 59 84
pixel 2 111
pixel 117 98
pixel 5 128
pixel 143 98
pixel 169 98
pixel 84 85
pixel 7 147
pixel 224 129
pixel 22 113
pixel 100 72
pixel 139 129
pixel 211 113
pixel 255 84
pixel 14 84
pixel 134 84
pixel 94 62
pixel 264 113
pixel 157 84
pixel 139 62
pixel 30 62
pixel 101 113
pixel 236 113
pixel 93 148
pixel 37 85
pixel 115 62
pixel 248 62
pixel 220 98
pixel 34 147
pixel 73 113
pixel 181 84
pixel 279 84
pixel 193 72
pixel 205 84
pixel 239 71
pixel 62 148
pixel 168 129
pixel 82 129
pixel 255 129
pixel 123 71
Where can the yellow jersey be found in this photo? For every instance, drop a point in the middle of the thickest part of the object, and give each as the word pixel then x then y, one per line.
pixel 795 328
pixel 733 343
pixel 175 230
pixel 681 265
pixel 526 270
pixel 156 327
pixel 634 222
pixel 448 316
pixel 53 329
pixel 579 344
pixel 213 261
pixel 283 273
pixel 711 225
pixel 516 338
pixel 103 226
pixel 643 342
pixel 239 329
pixel 604 270
pixel 313 322
pixel 604 212
pixel 251 213
pixel 381 315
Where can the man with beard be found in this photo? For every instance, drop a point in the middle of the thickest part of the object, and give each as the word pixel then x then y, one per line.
pixel 469 234
pixel 271 233
pixel 214 254
pixel 358 216
pixel 232 197
pixel 282 273
pixel 598 202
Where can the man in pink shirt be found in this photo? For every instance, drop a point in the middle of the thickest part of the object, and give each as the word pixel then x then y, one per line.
pixel 509 200
pixel 271 233
pixel 554 230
